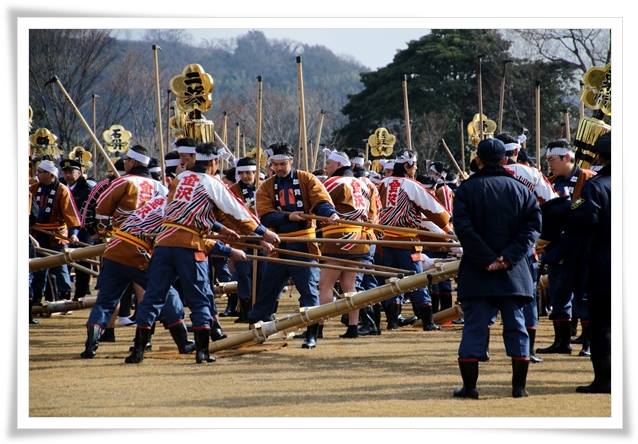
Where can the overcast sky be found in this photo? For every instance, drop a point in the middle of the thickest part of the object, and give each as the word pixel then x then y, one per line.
pixel 373 48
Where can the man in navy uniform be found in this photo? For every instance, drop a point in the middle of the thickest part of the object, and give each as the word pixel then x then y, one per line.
pixel 497 220
pixel 590 230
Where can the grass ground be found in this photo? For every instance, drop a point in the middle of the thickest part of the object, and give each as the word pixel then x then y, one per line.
pixel 406 373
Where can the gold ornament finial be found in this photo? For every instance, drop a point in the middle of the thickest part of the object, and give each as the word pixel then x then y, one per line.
pixel 474 129
pixel 381 143
pixel 597 89
pixel 44 143
pixel 117 140
pixel 193 89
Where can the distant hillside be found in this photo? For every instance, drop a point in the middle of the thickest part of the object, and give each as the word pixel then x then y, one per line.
pixel 121 73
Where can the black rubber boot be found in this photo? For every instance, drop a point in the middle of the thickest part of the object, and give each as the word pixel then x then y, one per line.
pixel 376 308
pixel 311 336
pixel 142 337
pixel 519 378
pixel 231 307
pixel 392 316
pixel 31 320
pixel 149 344
pixel 602 377
pixel 319 331
pixel 445 300
pixel 202 354
pixel 216 332
pixel 585 335
pixel 532 338
pixel 244 309
pixel 469 373
pixel 435 302
pixel 426 317
pixel 93 334
pixel 108 335
pixel 562 336
pixel 180 337
pixel 352 332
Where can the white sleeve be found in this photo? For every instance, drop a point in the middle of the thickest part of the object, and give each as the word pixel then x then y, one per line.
pixel 543 189
pixel 227 202
pixel 422 198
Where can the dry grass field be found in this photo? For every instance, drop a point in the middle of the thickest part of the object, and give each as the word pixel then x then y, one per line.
pixel 404 373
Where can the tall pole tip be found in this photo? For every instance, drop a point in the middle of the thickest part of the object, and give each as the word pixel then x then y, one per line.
pixel 538 83
pixel 156 47
pixel 51 80
pixel 225 113
pixel 298 58
pixel 259 78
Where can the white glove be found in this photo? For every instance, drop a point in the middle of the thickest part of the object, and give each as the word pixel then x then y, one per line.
pixel 426 261
pixel 457 251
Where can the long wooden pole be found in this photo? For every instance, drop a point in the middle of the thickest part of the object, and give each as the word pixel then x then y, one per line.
pixel 160 134
pixel 453 160
pixel 94 96
pixel 501 102
pixel 262 330
pixel 462 147
pixel 376 226
pixel 67 257
pixel 260 98
pixel 325 258
pixel 581 104
pixel 318 140
pixel 225 128
pixel 406 113
pixel 302 113
pixel 243 146
pixel 538 123
pixel 480 96
pixel 568 132
pixel 237 139
pixel 168 122
pixel 390 243
pixel 57 81
pixel 75 265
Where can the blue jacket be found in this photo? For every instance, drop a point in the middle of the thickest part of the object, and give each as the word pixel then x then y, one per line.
pixel 495 215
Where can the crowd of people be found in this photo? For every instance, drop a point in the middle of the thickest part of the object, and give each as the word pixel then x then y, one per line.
pixel 172 234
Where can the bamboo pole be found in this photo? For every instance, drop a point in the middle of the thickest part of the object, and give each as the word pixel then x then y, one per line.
pixel 243 146
pixel 302 115
pixel 325 258
pixel 306 264
pixel 537 91
pixel 66 257
pixel 58 236
pixel 160 134
pixel 389 243
pixel 351 301
pixel 581 104
pixel 453 160
pixel 260 98
pixel 568 132
pixel 57 81
pixel 375 226
pixel 480 96
pixel 367 151
pixel 48 253
pixel 501 102
pixel 225 128
pixel 318 140
pixel 168 123
pixel 93 97
pixel 237 139
pixel 406 113
pixel 462 147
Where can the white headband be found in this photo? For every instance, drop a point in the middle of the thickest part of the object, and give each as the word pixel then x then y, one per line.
pixel 172 162
pixel 155 170
pixel 357 161
pixel 239 169
pixel 512 147
pixel 141 158
pixel 186 150
pixel 278 157
pixel 389 165
pixel 49 167
pixel 406 158
pixel 205 157
pixel 559 151
pixel 343 160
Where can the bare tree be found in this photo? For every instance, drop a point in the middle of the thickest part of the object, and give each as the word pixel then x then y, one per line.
pixel 583 47
pixel 167 35
pixel 78 57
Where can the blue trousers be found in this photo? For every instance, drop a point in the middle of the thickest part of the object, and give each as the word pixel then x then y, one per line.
pixel 166 265
pixel 220 267
pixel 400 258
pixel 479 312
pixel 61 273
pixel 273 279
pixel 113 281
pixel 560 292
pixel 530 311
pixel 367 281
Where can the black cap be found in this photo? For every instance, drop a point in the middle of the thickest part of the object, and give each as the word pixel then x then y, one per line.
pixel 491 151
pixel 70 164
